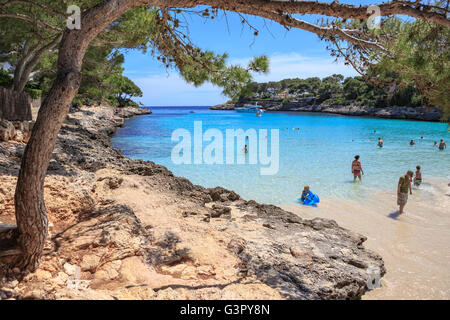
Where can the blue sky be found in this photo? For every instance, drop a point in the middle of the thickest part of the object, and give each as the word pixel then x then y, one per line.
pixel 293 53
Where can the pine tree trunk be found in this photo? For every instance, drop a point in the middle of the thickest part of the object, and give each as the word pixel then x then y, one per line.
pixel 31 215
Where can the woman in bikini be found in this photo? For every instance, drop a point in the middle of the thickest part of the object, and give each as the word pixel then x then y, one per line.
pixel 357 168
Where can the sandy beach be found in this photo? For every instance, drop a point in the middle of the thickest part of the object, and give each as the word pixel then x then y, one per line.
pixel 414 246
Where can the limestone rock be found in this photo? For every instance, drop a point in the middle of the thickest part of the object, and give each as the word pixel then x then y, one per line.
pixel 90 263
pixel 71 269
pixel 219 210
pixel 7 130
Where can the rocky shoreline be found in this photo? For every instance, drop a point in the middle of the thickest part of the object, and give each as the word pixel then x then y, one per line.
pixel 304 105
pixel 130 229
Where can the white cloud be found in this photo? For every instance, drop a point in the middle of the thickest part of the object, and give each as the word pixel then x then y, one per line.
pixel 294 65
pixel 172 90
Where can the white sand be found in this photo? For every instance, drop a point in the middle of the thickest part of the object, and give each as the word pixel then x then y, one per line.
pixel 415 246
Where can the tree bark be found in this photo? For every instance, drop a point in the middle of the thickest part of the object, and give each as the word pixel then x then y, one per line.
pixel 26 53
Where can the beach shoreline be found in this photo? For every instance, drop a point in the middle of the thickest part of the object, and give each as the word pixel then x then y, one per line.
pixel 414 245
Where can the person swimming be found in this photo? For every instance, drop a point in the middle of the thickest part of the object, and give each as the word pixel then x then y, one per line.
pixel 442 145
pixel 380 143
pixel 357 168
pixel 411 143
pixel 418 177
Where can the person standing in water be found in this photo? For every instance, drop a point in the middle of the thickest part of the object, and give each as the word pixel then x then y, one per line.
pixel 442 145
pixel 418 177
pixel 246 149
pixel 411 143
pixel 404 185
pixel 357 168
pixel 380 143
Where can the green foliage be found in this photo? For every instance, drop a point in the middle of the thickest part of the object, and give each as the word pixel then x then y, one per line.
pixel 34 93
pixel 5 79
pixel 286 101
pixel 332 90
pixel 141 28
pixel 419 61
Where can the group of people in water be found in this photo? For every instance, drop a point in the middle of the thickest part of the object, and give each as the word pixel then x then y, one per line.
pixel 405 182
pixel 441 146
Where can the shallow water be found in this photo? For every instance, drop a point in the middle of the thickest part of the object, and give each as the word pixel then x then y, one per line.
pixel 414 246
pixel 319 154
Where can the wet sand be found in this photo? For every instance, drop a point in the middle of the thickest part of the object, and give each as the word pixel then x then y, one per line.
pixel 415 245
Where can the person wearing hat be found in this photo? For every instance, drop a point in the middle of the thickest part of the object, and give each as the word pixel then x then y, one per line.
pixel 404 185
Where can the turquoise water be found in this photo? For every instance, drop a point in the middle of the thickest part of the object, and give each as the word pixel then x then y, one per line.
pixel 319 154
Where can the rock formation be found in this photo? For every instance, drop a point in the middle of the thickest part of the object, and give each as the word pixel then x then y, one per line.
pixel 307 105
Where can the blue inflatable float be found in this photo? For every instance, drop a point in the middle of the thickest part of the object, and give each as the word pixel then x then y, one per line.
pixel 311 199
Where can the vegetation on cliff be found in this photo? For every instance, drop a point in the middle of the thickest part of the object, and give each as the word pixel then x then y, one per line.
pixel 332 90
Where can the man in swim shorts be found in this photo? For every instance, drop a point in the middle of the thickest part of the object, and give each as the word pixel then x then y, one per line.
pixel 418 177
pixel 442 145
pixel 404 185
pixel 357 168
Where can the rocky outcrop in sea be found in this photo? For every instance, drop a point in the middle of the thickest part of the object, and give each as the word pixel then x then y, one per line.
pixel 130 229
pixel 308 105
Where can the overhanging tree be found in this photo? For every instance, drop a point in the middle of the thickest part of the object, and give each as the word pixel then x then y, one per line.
pixel 29 31
pixel 29 203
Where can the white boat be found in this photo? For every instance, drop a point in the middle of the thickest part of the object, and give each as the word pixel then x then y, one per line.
pixel 249 109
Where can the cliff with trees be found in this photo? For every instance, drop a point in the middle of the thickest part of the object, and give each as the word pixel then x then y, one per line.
pixel 331 90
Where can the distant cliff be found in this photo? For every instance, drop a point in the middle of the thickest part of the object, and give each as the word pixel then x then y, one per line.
pixel 352 96
pixel 309 105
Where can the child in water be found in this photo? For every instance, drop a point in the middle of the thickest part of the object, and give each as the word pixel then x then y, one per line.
pixel 418 177
pixel 305 193
pixel 309 198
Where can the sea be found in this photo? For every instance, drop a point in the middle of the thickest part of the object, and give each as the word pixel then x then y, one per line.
pixel 317 150
pixel 313 149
